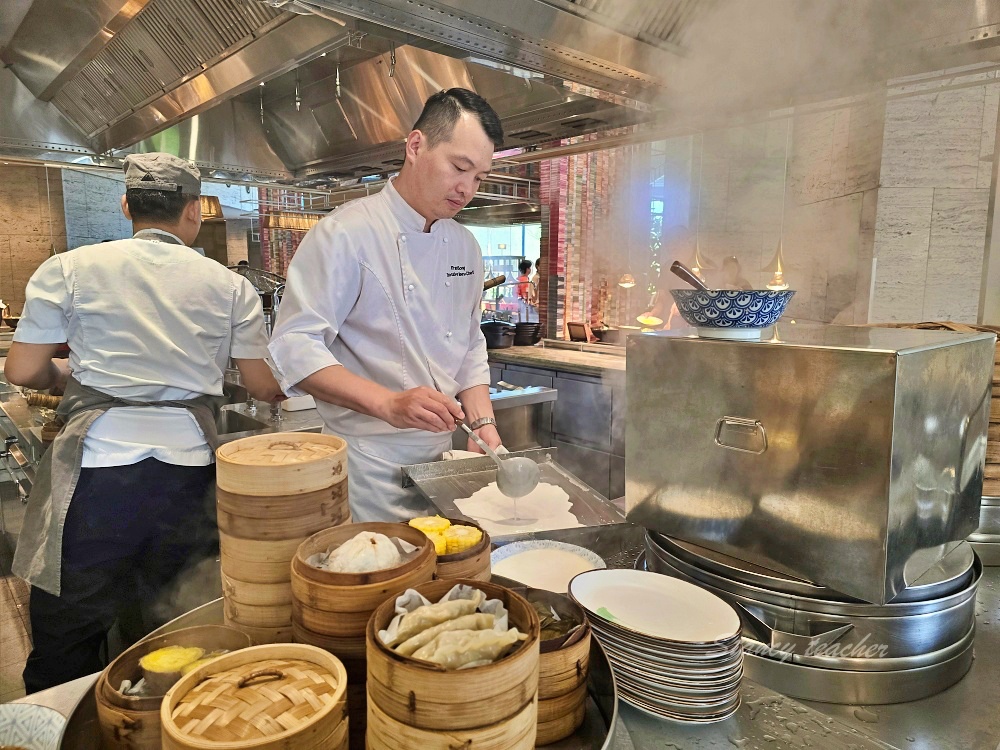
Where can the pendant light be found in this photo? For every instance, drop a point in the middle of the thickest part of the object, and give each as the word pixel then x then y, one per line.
pixel 699 264
pixel 778 282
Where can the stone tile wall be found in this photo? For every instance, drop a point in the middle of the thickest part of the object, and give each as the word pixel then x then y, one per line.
pixel 92 203
pixel 32 225
pixel 930 234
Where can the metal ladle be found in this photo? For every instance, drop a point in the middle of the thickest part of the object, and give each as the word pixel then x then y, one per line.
pixel 680 270
pixel 517 476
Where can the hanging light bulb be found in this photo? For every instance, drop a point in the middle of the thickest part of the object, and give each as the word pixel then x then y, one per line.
pixel 777 282
pixel 627 281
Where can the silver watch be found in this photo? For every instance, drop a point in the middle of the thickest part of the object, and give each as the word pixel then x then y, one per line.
pixel 482 422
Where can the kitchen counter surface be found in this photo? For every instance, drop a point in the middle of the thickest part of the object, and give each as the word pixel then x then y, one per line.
pixel 582 359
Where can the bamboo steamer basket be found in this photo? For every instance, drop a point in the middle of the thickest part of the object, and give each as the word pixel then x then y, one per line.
pixel 282 516
pixel 423 695
pixel 256 594
pixel 275 697
pixel 255 561
pixel 563 726
pixel 132 722
pixel 266 616
pixel 282 463
pixel 516 732
pixel 260 636
pixel 471 563
pixel 339 604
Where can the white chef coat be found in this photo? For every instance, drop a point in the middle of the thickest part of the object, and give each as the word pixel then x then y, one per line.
pixel 370 290
pixel 150 321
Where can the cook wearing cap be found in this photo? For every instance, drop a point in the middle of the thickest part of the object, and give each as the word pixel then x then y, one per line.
pixel 121 507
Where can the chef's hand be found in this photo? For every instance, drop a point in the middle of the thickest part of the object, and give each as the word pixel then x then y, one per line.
pixel 60 374
pixel 489 435
pixel 423 408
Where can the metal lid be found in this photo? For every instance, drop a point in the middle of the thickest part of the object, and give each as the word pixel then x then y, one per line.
pixel 949 574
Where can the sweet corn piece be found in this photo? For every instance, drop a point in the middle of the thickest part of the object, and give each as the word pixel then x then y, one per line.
pixel 430 524
pixel 461 538
pixel 440 543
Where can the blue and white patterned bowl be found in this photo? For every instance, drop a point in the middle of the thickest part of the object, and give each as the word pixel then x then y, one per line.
pixel 726 308
pixel 29 726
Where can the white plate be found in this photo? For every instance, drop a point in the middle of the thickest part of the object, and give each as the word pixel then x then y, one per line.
pixel 29 726
pixel 543 563
pixel 655 605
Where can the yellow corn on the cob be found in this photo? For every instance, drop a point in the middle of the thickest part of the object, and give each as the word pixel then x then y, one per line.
pixel 440 543
pixel 430 524
pixel 461 538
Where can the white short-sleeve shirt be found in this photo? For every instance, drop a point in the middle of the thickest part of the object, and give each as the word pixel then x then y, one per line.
pixel 370 290
pixel 149 321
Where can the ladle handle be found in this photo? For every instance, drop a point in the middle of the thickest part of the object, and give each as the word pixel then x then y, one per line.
pixel 479 441
pixel 679 269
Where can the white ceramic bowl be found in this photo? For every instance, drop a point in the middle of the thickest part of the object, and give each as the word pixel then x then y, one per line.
pixel 31 727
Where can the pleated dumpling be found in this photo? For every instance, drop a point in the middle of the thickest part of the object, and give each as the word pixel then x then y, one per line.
pixel 430 615
pixel 477 621
pixel 455 649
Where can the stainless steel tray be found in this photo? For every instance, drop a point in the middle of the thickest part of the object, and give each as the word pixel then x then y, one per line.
pixel 444 482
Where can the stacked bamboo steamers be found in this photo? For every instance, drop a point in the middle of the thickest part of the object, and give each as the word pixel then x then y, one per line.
pixel 273 492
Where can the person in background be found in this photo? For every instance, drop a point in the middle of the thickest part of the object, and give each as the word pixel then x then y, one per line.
pixel 535 281
pixel 732 275
pixel 524 304
pixel 381 313
pixel 122 501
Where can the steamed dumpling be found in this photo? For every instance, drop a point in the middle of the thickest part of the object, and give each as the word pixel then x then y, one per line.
pixel 477 621
pixel 455 649
pixel 364 553
pixel 430 615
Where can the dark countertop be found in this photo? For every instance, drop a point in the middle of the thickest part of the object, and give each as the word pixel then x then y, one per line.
pixel 582 359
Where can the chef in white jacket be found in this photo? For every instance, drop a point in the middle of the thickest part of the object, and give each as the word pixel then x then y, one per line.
pixel 381 312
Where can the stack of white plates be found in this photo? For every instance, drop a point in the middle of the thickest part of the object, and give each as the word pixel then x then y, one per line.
pixel 675 648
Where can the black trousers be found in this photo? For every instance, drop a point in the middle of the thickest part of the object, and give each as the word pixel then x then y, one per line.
pixel 131 534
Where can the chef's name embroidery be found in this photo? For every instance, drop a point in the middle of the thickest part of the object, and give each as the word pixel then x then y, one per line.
pixel 458 271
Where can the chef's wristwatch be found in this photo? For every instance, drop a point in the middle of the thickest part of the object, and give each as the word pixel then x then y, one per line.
pixel 482 422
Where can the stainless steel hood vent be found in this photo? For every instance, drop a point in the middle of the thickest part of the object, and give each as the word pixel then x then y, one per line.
pixel 166 42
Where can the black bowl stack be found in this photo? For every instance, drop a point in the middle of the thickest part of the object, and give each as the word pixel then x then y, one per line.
pixel 527 334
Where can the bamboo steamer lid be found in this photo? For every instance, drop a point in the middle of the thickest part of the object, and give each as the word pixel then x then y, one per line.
pixel 515 732
pixel 282 463
pixel 428 696
pixel 264 697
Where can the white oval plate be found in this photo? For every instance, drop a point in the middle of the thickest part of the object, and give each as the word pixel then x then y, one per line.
pixel 543 563
pixel 655 605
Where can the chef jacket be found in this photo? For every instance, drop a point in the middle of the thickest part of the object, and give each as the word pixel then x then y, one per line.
pixel 370 290
pixel 147 319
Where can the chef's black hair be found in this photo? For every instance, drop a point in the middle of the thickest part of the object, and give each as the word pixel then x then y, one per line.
pixel 157 205
pixel 443 109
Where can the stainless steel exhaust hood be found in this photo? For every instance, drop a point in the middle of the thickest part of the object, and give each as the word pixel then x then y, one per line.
pixel 324 90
